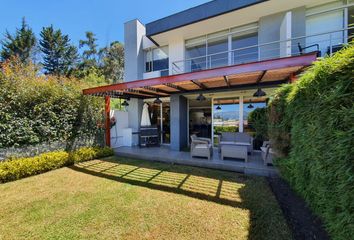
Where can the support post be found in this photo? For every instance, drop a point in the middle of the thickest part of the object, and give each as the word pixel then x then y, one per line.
pixel 292 78
pixel 241 114
pixel 107 109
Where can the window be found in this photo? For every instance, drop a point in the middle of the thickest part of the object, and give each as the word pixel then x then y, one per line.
pixel 326 25
pixel 218 49
pixel 196 54
pixel 351 23
pixel 245 48
pixel 249 105
pixel 156 59
pixel 222 48
pixel 226 115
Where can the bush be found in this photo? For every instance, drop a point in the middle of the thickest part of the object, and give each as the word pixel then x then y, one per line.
pixel 258 121
pixel 279 122
pixel 220 129
pixel 318 114
pixel 58 112
pixel 88 153
pixel 15 169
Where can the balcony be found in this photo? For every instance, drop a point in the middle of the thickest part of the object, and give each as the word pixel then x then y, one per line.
pixel 325 43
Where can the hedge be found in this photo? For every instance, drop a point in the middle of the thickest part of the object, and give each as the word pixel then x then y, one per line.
pixel 37 108
pixel 15 169
pixel 312 126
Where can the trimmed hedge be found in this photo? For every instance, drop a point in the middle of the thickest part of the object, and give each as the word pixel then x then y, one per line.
pixel 220 129
pixel 15 169
pixel 312 125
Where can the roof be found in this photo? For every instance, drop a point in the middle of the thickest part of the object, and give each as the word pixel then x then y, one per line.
pixel 267 72
pixel 196 14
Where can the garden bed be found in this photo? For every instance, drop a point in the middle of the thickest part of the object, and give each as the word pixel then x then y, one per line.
pixel 303 223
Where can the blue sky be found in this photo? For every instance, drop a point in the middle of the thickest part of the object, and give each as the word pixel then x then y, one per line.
pixel 103 17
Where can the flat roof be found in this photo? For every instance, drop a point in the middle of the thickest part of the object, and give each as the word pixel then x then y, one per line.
pixel 196 14
pixel 267 72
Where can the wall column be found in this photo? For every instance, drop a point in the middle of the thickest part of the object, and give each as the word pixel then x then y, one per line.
pixel 179 124
pixel 107 109
pixel 240 127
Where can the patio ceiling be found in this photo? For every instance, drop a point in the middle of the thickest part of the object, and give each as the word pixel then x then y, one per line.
pixel 231 77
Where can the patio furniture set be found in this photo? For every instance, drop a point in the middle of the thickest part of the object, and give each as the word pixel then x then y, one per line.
pixel 230 145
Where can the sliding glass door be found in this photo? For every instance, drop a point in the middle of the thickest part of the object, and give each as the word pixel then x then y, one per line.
pixel 160 117
pixel 226 116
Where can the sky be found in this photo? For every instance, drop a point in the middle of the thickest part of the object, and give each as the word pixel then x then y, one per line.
pixel 105 18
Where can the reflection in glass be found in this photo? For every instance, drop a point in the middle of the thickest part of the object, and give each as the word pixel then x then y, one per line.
pixel 244 51
pixel 226 115
pixel 217 49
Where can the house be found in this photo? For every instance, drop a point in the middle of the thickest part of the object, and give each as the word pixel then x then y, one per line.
pixel 203 70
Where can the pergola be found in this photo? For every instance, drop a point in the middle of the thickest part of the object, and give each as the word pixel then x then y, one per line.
pixel 261 73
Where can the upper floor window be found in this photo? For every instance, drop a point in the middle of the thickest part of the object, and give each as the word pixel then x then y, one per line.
pixel 232 46
pixel 156 59
pixel 244 44
pixel 327 26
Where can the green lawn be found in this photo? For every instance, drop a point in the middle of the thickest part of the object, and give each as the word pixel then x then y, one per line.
pixel 130 199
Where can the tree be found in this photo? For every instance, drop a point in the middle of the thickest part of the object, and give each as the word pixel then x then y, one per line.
pixel 89 56
pixel 59 55
pixel 112 58
pixel 21 44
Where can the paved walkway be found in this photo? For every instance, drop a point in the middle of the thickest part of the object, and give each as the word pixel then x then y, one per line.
pixel 254 166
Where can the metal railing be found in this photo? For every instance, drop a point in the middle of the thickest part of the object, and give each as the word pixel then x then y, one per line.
pixel 325 43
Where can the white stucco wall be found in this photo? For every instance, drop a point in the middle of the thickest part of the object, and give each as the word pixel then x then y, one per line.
pixel 134 31
pixel 176 53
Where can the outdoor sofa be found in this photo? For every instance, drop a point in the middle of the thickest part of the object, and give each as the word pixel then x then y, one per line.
pixel 236 138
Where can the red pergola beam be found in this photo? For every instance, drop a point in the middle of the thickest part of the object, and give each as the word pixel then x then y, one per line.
pixel 302 60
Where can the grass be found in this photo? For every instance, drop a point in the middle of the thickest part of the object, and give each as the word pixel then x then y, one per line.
pixel 130 199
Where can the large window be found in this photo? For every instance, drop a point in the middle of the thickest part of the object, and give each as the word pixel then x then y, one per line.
pixel 351 23
pixel 328 22
pixel 222 48
pixel 218 49
pixel 196 54
pixel 156 59
pixel 226 115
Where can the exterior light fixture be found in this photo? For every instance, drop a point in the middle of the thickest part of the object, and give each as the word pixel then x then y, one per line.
pixel 218 107
pixel 250 106
pixel 125 103
pixel 259 93
pixel 158 100
pixel 201 98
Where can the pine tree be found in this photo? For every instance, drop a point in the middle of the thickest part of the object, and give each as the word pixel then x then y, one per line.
pixel 113 62
pixel 59 55
pixel 21 44
pixel 89 56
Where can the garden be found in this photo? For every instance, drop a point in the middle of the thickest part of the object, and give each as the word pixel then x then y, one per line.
pixel 59 181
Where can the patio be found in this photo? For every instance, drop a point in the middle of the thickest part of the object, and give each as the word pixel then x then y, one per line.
pixel 254 166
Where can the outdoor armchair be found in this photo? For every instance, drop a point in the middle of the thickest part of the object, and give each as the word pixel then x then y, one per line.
pixel 201 147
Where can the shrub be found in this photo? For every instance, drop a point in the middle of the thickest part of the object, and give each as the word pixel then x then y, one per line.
pixel 88 153
pixel 58 112
pixel 279 123
pixel 220 129
pixel 258 121
pixel 318 114
pixel 14 169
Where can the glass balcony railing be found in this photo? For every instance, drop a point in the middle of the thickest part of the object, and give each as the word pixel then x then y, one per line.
pixel 324 43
